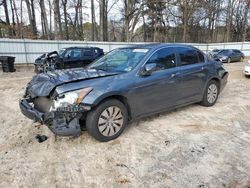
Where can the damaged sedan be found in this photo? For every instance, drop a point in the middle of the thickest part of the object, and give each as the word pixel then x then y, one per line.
pixel 124 85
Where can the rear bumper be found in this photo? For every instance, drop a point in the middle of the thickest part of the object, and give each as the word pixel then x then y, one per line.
pixel 224 80
pixel 62 123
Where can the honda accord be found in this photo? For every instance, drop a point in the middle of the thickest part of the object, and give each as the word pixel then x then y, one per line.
pixel 124 85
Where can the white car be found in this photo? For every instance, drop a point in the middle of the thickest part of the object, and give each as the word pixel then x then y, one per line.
pixel 247 69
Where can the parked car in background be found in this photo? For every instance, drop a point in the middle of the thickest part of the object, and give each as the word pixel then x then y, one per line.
pixel 247 69
pixel 228 56
pixel 66 58
pixel 125 84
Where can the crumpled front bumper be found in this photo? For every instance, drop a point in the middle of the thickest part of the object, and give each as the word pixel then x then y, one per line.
pixel 64 122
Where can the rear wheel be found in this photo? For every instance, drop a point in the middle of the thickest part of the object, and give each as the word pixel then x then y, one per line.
pixel 107 121
pixel 211 93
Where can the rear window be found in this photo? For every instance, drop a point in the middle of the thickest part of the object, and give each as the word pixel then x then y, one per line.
pixel 188 56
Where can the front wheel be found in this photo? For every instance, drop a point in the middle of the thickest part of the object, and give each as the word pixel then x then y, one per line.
pixel 211 94
pixel 107 121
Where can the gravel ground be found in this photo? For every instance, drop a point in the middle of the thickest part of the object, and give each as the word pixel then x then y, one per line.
pixel 193 146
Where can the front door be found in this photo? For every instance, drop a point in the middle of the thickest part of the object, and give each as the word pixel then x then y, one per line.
pixel 159 90
pixel 72 58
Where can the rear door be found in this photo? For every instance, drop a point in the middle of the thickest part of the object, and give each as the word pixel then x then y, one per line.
pixel 194 73
pixel 237 55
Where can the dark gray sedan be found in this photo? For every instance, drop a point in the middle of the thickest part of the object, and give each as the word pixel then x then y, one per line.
pixel 124 85
pixel 228 56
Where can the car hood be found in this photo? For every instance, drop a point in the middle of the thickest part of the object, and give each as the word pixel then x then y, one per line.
pixel 42 84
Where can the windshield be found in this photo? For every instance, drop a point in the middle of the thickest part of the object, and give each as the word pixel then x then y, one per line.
pixel 120 60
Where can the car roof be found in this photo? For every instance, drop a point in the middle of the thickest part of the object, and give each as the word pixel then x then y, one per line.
pixel 82 47
pixel 158 45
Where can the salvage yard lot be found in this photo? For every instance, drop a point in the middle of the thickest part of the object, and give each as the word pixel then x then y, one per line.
pixel 193 146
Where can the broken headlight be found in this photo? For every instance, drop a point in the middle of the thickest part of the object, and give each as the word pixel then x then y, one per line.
pixel 71 98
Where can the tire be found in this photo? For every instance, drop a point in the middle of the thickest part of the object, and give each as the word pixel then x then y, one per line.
pixel 229 60
pixel 209 99
pixel 107 121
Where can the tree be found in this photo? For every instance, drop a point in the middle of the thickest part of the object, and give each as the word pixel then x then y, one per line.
pixel 93 21
pixel 7 19
pixel 132 11
pixel 44 20
pixel 57 20
pixel 103 6
pixel 64 3
pixel 32 17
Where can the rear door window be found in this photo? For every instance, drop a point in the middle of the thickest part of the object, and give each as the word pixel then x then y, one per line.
pixel 87 52
pixel 188 56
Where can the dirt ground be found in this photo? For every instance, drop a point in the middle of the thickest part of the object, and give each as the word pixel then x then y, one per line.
pixel 193 146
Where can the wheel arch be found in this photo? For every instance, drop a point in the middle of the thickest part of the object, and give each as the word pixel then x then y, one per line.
pixel 118 97
pixel 210 79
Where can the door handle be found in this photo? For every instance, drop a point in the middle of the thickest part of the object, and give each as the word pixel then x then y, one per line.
pixel 202 68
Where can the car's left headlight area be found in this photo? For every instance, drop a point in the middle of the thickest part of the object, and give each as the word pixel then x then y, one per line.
pixel 71 101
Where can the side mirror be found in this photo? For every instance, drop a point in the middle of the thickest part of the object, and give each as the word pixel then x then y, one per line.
pixel 148 69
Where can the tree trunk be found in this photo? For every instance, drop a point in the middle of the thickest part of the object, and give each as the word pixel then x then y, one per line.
pixel 57 20
pixel 93 26
pixel 17 20
pixel 244 33
pixel 185 20
pixel 81 34
pixel 65 19
pixel 126 19
pixel 44 19
pixel 50 18
pixel 101 9
pixel 103 20
pixel 7 19
pixel 31 14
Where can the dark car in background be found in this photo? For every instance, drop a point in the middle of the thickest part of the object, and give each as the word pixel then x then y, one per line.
pixel 66 58
pixel 124 85
pixel 228 56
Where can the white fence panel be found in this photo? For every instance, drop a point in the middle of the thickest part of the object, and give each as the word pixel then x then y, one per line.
pixel 26 50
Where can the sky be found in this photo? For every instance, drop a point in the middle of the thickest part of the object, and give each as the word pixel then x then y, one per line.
pixel 114 14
